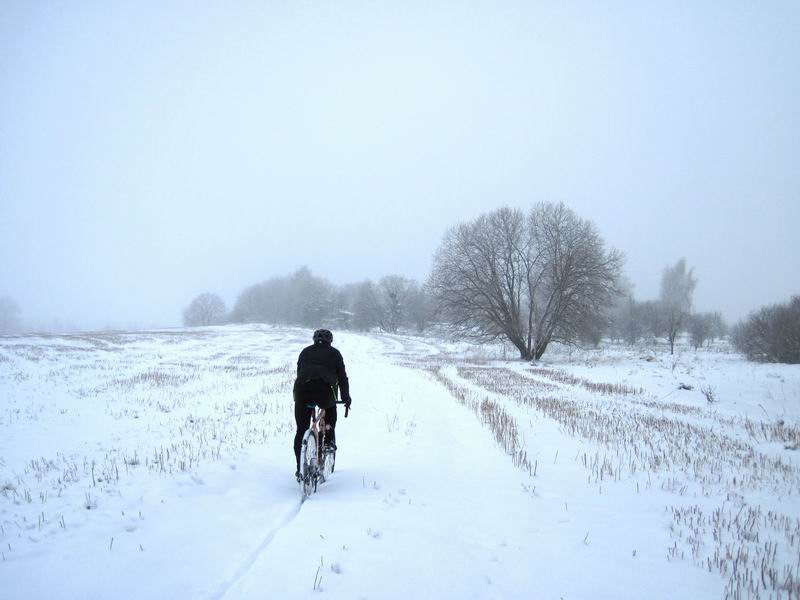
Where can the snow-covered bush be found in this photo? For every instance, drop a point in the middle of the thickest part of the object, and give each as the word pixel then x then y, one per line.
pixel 704 327
pixel 772 334
pixel 205 309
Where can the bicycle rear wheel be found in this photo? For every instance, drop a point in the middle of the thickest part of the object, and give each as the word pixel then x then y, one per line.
pixel 308 465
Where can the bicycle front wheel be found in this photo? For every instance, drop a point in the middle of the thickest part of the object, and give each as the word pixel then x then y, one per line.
pixel 308 464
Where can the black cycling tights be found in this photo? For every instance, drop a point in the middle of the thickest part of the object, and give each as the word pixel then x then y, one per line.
pixel 302 417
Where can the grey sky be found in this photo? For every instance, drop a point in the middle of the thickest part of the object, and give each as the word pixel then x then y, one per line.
pixel 150 151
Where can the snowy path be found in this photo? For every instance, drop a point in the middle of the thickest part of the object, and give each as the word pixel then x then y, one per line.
pixel 425 504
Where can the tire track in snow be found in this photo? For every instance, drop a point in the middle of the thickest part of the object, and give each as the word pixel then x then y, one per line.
pixel 222 590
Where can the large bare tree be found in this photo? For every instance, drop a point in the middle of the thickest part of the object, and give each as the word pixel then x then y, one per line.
pixel 529 278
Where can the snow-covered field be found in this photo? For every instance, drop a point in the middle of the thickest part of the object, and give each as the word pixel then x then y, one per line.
pixel 159 465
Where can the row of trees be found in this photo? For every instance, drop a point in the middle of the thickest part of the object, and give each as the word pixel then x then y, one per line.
pixel 668 316
pixel 393 303
pixel 526 278
pixel 633 321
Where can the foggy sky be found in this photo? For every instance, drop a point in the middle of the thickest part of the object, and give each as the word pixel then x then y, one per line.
pixel 151 151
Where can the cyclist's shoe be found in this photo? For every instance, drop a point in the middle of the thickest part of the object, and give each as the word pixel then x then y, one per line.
pixel 330 447
pixel 298 476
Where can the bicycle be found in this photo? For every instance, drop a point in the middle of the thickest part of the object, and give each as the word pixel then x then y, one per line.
pixel 317 462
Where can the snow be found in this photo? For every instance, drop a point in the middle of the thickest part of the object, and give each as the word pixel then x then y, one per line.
pixel 159 465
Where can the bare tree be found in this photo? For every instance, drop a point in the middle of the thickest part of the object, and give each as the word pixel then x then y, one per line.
pixel 205 309
pixel 591 329
pixel 619 311
pixel 677 288
pixel 374 306
pixel 701 326
pixel 531 279
pixel 418 310
pixel 364 317
pixel 345 298
pixel 395 293
pixel 719 328
pixel 386 304
pixel 706 327
pixel 653 318
pixel 9 316
pixel 630 323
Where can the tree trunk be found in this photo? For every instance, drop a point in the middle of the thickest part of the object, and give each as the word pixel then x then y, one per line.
pixel 524 352
pixel 538 351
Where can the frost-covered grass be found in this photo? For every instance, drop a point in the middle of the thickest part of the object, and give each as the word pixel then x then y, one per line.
pixel 88 421
pixel 158 464
pixel 683 423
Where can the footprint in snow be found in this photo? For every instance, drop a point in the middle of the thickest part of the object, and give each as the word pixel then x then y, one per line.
pixel 336 568
pixel 374 534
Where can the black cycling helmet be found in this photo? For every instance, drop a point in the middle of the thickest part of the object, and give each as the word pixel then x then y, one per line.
pixel 323 335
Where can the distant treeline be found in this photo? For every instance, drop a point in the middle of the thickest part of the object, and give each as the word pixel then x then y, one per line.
pixel 392 304
pixel 524 278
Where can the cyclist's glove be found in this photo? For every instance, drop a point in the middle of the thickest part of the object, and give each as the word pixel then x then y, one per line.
pixel 348 402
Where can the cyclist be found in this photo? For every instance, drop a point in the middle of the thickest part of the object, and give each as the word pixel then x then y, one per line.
pixel 320 377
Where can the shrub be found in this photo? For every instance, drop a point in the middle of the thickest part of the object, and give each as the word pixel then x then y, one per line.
pixel 771 334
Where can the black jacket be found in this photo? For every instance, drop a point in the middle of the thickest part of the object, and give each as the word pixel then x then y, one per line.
pixel 322 362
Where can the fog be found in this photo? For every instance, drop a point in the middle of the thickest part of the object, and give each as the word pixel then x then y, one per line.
pixel 152 151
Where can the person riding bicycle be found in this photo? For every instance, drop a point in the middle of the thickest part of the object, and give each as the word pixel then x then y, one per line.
pixel 320 378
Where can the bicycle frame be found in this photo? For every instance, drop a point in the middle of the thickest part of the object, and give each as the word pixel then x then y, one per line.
pixel 318 468
pixel 317 426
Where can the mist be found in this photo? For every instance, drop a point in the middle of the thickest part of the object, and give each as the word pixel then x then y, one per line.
pixel 151 151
